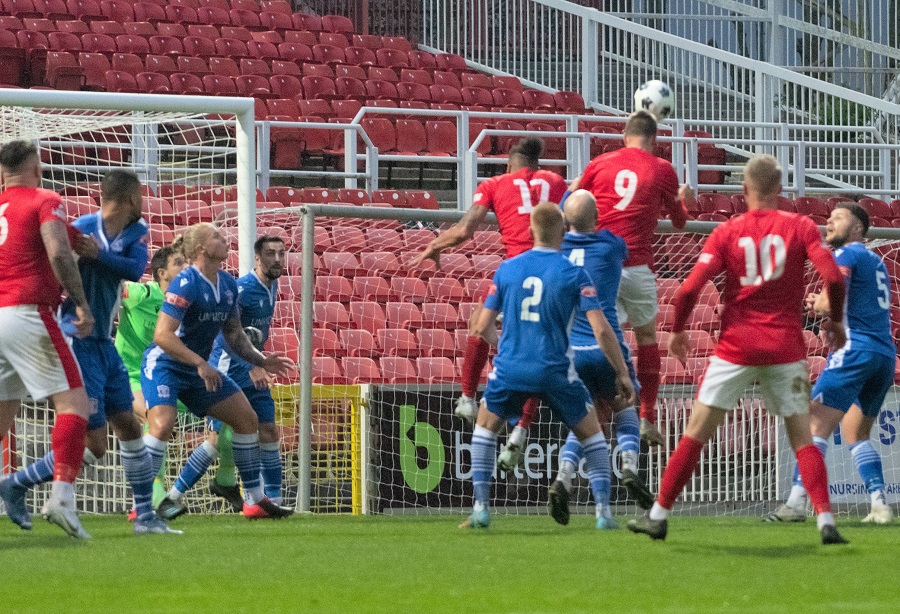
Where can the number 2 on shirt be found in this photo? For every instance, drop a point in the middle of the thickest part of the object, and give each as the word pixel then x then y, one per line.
pixel 769 258
pixel 525 191
pixel 537 290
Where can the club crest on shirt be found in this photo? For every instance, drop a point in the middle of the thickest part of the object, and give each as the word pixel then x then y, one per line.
pixel 178 301
pixel 162 391
pixel 229 296
pixel 705 258
pixel 116 245
pixel 589 292
pixel 492 289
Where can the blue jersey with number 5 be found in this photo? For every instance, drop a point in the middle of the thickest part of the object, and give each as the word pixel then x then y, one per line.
pixel 538 293
pixel 867 309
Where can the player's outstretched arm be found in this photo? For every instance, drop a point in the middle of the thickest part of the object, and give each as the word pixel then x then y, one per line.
pixel 238 341
pixel 609 343
pixel 164 336
pixel 460 232
pixel 56 242
pixel 708 265
pixel 129 266
pixel 486 326
pixel 835 290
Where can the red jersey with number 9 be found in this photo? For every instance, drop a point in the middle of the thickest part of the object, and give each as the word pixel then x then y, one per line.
pixel 26 277
pixel 512 197
pixel 633 189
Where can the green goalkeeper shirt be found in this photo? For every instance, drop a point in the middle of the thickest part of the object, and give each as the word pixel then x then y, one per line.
pixel 137 322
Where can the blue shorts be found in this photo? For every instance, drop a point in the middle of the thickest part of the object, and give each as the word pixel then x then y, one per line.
pixel 165 382
pixel 598 374
pixel 568 400
pixel 105 379
pixel 262 403
pixel 859 377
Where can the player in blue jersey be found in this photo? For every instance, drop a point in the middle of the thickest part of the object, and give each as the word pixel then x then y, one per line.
pixel 201 302
pixel 851 390
pixel 112 248
pixel 601 254
pixel 257 292
pixel 539 292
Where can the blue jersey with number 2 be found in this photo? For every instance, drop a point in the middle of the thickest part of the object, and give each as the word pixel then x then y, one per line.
pixel 867 313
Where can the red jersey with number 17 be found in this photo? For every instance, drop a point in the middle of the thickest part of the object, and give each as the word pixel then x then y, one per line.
pixel 512 197
pixel 763 254
pixel 26 277
pixel 633 189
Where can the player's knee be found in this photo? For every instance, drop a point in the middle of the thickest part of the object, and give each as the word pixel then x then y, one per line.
pixel 126 426
pixel 245 422
pixel 268 432
pixel 162 421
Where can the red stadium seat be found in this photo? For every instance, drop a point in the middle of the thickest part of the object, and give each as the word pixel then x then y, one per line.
pixel 808 205
pixel 403 315
pixel 127 62
pixel 153 83
pixel 571 102
pixel 193 65
pixel 319 87
pixel 392 58
pixel 359 342
pixel 200 46
pixel 337 23
pixel 398 370
pixel 166 45
pixel 344 264
pixel 441 315
pixel 489 242
pixel 181 14
pixel 361 370
pixel 258 68
pixel 246 19
pixel 231 48
pixel 436 370
pixel 397 342
pixel 485 265
pixel 95 66
pixel 421 199
pixel 63 71
pixel 372 288
pixel 325 342
pixel 277 22
pixel 394 198
pixel 325 370
pixel 368 315
pixel 380 263
pixel 477 289
pixel 876 208
pixel 243 34
pixel 396 42
pixel 436 342
pixel 410 289
pixel 333 288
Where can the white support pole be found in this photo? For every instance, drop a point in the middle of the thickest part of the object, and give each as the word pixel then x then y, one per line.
pixel 246 186
pixel 350 163
pixel 590 58
pixel 304 413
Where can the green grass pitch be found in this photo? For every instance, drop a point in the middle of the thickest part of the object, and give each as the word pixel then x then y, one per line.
pixel 411 565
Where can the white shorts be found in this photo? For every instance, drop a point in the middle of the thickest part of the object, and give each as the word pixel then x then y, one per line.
pixel 34 356
pixel 785 388
pixel 637 302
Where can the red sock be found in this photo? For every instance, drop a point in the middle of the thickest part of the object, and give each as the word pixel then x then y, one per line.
pixel 529 413
pixel 648 366
pixel 679 470
pixel 67 442
pixel 473 364
pixel 815 477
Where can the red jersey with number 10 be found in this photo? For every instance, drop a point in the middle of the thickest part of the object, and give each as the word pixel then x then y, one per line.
pixel 512 197
pixel 26 277
pixel 763 254
pixel 633 189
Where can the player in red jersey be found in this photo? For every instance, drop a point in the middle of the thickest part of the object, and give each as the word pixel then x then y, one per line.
pixel 34 356
pixel 763 254
pixel 512 197
pixel 634 188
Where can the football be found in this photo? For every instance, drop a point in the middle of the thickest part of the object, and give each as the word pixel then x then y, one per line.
pixel 656 97
pixel 256 337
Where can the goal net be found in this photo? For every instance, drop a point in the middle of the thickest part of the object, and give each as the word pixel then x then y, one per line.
pixel 190 156
pixel 401 331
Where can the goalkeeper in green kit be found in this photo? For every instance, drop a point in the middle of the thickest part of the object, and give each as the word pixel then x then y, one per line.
pixel 141 303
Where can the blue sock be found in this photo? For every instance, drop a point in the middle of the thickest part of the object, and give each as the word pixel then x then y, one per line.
pixel 138 470
pixel 628 430
pixel 246 459
pixel 38 472
pixel 596 460
pixel 195 468
pixel 484 454
pixel 270 458
pixel 156 448
pixel 820 443
pixel 572 451
pixel 868 463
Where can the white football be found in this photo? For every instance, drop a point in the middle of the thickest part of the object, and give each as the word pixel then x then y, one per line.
pixel 656 97
pixel 256 337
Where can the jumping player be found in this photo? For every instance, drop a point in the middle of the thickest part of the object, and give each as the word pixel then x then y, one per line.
pixel 633 189
pixel 540 291
pixel 851 390
pixel 201 302
pixel 512 197
pixel 35 258
pixel 763 254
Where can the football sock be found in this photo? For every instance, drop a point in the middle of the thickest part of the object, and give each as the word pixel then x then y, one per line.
pixel 139 472
pixel 529 413
pixel 246 457
pixel 270 458
pixel 798 495
pixel 484 453
pixel 38 472
pixel 474 359
pixel 679 470
pixel 161 473
pixel 569 456
pixel 196 466
pixel 648 366
pixel 225 473
pixel 868 464
pixel 628 429
pixel 815 477
pixel 596 461
pixel 67 441
pixel 156 448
